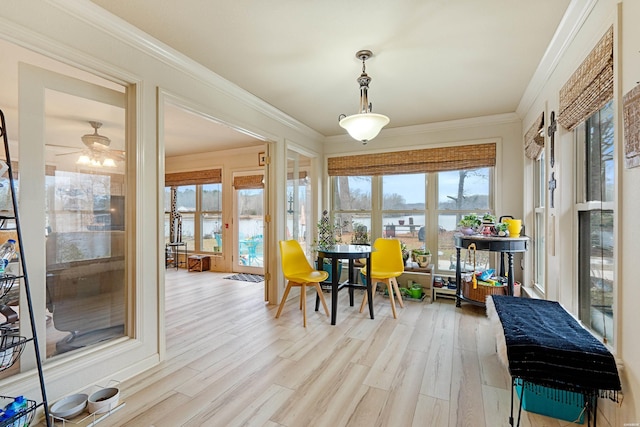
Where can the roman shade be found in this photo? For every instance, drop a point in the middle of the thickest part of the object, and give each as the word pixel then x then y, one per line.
pixel 209 176
pixel 247 182
pixel 590 86
pixel 415 161
pixel 534 139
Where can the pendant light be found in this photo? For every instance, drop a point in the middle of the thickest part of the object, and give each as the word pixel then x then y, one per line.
pixel 365 125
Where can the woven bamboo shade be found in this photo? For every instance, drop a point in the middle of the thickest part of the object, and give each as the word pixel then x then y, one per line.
pixel 590 86
pixel 415 161
pixel 248 182
pixel 209 176
pixel 631 111
pixel 301 175
pixel 533 140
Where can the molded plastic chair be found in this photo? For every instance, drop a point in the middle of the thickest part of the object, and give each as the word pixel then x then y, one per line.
pixel 298 272
pixel 386 265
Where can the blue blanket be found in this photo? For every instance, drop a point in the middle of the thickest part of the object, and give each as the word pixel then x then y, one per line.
pixel 547 346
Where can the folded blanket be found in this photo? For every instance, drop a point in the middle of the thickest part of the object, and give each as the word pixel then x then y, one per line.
pixel 545 345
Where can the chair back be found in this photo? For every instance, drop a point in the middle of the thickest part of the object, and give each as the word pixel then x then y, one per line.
pixel 294 261
pixel 387 256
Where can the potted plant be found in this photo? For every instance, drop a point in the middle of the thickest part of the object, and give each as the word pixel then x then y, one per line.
pixel 422 257
pixel 468 224
pixel 488 218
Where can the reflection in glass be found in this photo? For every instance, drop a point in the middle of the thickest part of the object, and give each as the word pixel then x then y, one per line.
pixel 596 273
pixel 85 259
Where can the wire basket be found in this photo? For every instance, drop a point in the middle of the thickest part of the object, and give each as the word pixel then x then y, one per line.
pixel 22 417
pixel 6 283
pixel 11 347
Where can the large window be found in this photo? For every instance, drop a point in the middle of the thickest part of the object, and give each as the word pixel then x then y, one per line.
pixel 199 216
pixel 420 209
pixel 595 208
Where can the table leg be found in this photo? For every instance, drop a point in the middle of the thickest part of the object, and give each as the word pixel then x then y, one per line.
pixel 458 278
pixel 351 282
pixel 334 289
pixel 320 266
pixel 510 278
pixel 369 287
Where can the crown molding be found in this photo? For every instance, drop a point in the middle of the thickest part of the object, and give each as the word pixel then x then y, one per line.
pixel 493 120
pixel 99 18
pixel 573 19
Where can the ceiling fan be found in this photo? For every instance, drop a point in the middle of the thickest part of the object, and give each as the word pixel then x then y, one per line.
pixel 98 151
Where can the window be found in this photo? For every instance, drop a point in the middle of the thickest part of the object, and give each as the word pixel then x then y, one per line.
pixel 409 207
pixel 459 193
pixel 199 224
pixel 595 210
pixel 539 195
pixel 351 204
pixel 403 208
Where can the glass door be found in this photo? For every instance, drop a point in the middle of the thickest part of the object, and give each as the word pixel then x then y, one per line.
pixel 249 223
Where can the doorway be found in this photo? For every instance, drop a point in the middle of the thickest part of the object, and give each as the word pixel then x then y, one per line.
pixel 249 225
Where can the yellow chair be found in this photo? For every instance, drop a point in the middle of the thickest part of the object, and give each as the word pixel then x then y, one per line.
pixel 298 272
pixel 386 265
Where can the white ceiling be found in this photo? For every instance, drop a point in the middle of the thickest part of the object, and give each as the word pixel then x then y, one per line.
pixel 434 60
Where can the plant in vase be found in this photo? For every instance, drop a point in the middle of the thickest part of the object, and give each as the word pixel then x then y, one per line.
pixel 502 229
pixel 422 257
pixel 469 223
pixel 488 218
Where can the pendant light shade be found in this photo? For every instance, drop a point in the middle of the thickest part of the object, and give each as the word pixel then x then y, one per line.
pixel 365 125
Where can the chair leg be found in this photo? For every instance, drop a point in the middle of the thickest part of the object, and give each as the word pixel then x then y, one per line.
pixel 365 300
pixel 391 298
pixel 284 298
pixel 303 303
pixel 397 289
pixel 322 300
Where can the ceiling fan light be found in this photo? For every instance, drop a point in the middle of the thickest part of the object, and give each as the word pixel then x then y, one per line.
pixel 108 162
pixel 364 126
pixel 91 139
pixel 83 160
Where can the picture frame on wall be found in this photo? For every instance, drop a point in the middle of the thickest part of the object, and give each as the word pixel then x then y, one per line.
pixel 261 158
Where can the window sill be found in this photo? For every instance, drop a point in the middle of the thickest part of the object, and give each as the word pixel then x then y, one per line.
pixel 532 292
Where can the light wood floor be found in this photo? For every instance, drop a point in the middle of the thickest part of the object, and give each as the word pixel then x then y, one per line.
pixel 231 363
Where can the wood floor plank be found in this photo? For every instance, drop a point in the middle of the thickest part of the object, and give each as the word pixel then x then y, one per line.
pixel 431 412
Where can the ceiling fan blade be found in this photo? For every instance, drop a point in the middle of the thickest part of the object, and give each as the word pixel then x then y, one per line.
pixel 70 153
pixel 62 146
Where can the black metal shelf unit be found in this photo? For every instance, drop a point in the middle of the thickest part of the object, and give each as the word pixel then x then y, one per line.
pixel 11 343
